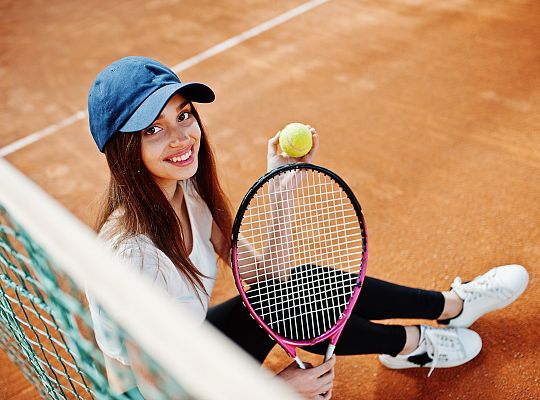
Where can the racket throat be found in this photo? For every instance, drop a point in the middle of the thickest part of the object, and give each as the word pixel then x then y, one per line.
pixel 300 362
pixel 329 352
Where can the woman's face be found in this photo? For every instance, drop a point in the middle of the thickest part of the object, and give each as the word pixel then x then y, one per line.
pixel 170 145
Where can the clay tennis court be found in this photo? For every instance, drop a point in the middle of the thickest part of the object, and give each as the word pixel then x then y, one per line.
pixel 430 110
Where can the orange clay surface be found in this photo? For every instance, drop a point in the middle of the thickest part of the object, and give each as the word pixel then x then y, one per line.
pixel 429 109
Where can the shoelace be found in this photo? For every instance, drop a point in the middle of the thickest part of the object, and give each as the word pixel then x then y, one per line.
pixel 479 286
pixel 436 341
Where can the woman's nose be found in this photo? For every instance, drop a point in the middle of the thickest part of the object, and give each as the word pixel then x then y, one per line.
pixel 178 137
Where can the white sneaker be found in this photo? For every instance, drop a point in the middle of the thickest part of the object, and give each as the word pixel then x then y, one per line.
pixel 438 348
pixel 496 289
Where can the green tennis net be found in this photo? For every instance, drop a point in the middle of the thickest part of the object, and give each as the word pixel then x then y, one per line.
pixel 48 262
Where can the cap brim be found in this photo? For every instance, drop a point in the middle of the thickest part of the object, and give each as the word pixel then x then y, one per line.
pixel 150 108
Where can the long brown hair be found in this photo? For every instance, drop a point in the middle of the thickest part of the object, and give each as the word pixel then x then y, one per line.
pixel 144 207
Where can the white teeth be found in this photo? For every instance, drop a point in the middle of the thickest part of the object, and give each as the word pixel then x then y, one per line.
pixel 181 158
pixel 186 156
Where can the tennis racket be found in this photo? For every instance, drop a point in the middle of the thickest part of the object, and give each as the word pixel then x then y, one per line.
pixel 299 255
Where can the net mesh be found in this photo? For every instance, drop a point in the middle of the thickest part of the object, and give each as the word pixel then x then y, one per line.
pixel 46 327
pixel 310 241
pixel 49 262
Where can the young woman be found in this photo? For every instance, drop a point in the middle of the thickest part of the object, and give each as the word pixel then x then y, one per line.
pixel 166 212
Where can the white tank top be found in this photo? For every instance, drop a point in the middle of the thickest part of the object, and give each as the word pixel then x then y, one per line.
pixel 145 257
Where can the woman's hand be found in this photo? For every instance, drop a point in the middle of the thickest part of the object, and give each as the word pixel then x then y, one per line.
pixel 312 383
pixel 275 158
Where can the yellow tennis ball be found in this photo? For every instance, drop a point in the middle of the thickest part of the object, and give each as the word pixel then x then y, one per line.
pixel 295 140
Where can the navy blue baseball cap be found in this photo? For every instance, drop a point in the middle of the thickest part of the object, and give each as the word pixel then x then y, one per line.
pixel 129 94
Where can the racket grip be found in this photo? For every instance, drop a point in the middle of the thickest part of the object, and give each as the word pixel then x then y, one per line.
pixel 300 362
pixel 329 352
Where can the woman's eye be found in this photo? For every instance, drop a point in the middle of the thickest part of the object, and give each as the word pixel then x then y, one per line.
pixel 184 116
pixel 152 130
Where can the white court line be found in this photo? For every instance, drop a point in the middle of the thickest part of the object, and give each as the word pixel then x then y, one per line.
pixel 196 59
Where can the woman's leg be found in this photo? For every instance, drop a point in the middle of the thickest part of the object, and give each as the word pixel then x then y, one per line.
pixel 383 300
pixel 235 322
pixel 459 307
pixel 361 336
pixel 406 347
pixel 358 337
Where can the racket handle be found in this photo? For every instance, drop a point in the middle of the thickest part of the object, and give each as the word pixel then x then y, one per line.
pixel 299 362
pixel 329 352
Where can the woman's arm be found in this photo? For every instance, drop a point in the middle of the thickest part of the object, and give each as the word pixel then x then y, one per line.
pixel 253 263
pixel 253 266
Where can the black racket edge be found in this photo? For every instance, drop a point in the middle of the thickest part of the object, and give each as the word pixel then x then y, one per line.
pixel 291 167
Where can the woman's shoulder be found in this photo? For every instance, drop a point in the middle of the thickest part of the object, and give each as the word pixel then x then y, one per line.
pixel 136 245
pixel 112 233
pixel 111 226
pixel 141 252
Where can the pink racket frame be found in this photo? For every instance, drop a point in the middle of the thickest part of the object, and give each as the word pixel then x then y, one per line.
pixel 334 332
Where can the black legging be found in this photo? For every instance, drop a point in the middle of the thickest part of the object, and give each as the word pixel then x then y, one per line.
pixel 378 300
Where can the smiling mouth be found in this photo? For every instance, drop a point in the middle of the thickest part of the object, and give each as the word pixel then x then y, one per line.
pixel 180 159
pixel 183 157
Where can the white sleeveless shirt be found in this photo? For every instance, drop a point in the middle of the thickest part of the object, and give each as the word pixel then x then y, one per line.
pixel 145 257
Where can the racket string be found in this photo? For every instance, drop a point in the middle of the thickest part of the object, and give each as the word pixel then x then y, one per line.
pixel 305 260
pixel 296 298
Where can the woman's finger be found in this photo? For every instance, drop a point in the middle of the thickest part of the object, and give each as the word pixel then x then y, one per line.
pixel 326 395
pixel 315 146
pixel 273 143
pixel 325 367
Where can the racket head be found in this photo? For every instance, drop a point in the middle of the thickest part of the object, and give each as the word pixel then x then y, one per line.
pixel 315 236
